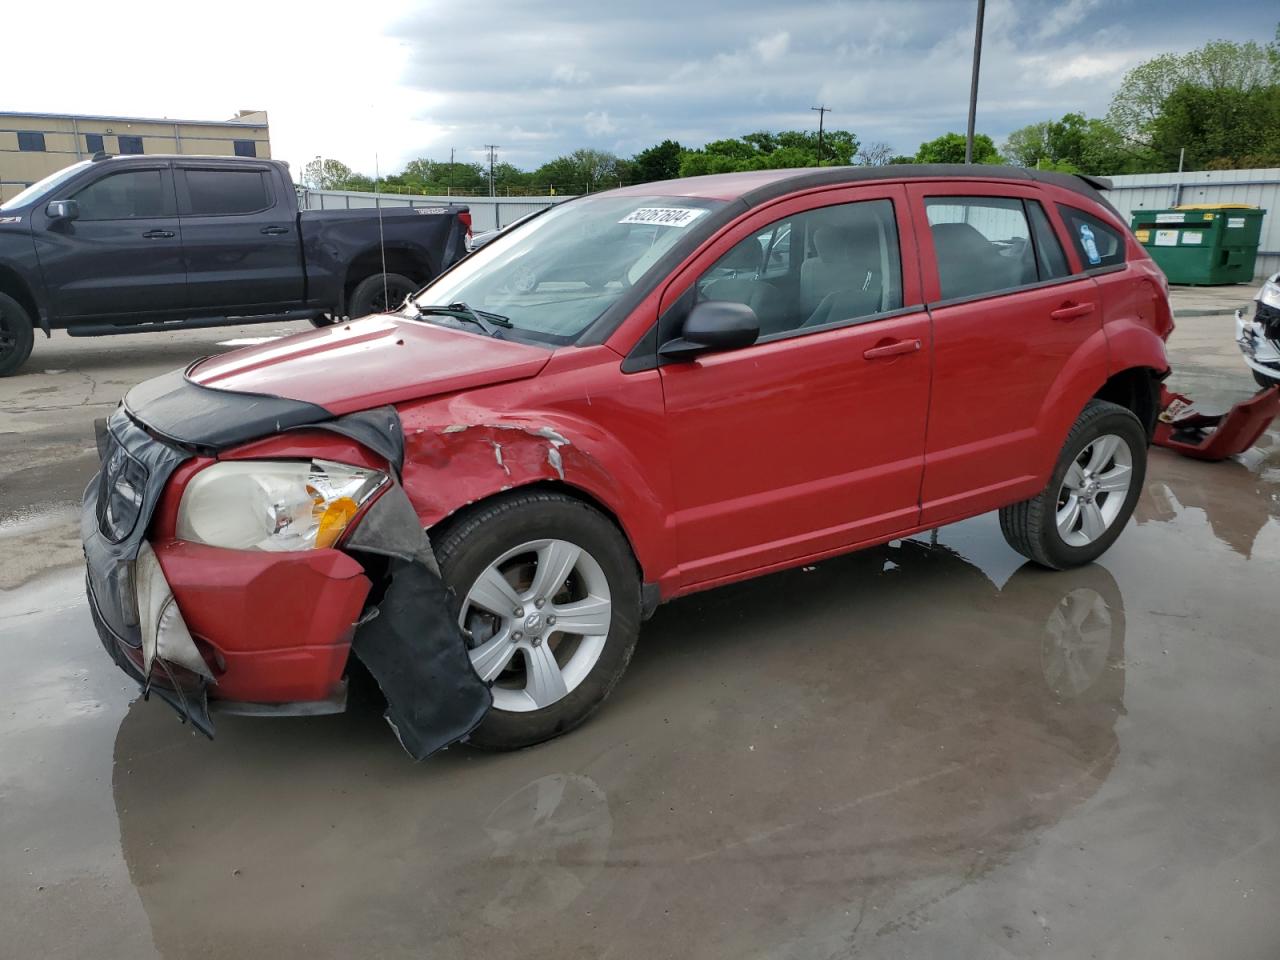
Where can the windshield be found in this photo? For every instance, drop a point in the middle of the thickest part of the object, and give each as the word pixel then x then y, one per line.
pixel 557 273
pixel 40 186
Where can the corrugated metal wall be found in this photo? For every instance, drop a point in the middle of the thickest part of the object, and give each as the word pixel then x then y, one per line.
pixel 1259 188
pixel 487 213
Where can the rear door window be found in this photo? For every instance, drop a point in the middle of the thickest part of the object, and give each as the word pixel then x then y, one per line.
pixel 982 244
pixel 129 195
pixel 1098 244
pixel 221 193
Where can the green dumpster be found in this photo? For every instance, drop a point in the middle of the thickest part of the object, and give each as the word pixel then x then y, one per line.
pixel 1202 244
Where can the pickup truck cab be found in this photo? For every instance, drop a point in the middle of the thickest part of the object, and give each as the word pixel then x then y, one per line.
pixel 141 243
pixel 776 367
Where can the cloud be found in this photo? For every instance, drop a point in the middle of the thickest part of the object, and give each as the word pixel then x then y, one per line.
pixel 769 49
pixel 406 79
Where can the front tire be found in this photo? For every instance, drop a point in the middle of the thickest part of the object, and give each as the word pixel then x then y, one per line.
pixel 1091 493
pixel 17 335
pixel 521 567
pixel 1263 380
pixel 380 293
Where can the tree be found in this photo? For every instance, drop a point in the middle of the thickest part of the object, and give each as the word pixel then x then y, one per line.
pixel 659 162
pixel 1074 144
pixel 1220 67
pixel 949 148
pixel 763 150
pixel 1221 129
pixel 581 171
pixel 875 154
pixel 322 174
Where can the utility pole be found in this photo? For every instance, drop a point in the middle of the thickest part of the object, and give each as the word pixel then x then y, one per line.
pixel 493 152
pixel 451 171
pixel 973 82
pixel 822 113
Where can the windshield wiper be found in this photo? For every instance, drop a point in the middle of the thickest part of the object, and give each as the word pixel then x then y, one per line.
pixel 488 322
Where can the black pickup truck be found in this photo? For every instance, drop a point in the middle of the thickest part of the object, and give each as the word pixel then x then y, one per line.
pixel 141 243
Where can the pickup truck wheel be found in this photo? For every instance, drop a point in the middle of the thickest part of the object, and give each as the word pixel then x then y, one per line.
pixel 1091 493
pixel 17 335
pixel 380 293
pixel 548 595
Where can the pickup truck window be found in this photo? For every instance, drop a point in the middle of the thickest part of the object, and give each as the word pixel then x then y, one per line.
pixel 128 195
pixel 221 193
pixel 554 275
pixel 47 185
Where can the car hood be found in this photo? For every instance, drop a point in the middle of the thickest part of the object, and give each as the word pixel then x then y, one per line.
pixel 371 362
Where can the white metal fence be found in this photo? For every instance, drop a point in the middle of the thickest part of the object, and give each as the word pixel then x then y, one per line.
pixel 487 213
pixel 1259 188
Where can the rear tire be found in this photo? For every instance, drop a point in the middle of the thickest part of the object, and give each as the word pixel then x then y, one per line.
pixel 380 293
pixel 17 335
pixel 1075 518
pixel 513 537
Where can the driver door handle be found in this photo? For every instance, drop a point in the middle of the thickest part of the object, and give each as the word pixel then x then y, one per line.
pixel 158 234
pixel 895 349
pixel 274 231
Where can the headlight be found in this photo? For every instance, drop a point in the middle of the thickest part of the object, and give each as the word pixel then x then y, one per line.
pixel 1269 294
pixel 274 504
pixel 120 494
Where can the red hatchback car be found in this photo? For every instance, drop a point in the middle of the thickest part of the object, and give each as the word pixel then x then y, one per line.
pixel 633 396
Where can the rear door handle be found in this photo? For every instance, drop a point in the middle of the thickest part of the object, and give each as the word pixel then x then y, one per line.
pixel 274 231
pixel 1070 311
pixel 895 349
pixel 158 234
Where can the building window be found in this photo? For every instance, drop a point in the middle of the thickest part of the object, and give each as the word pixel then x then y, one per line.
pixel 246 148
pixel 31 140
pixel 93 143
pixel 130 144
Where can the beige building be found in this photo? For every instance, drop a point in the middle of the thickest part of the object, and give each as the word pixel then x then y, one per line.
pixel 34 145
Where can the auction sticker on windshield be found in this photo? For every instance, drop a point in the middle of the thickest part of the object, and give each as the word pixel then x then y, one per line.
pixel 663 216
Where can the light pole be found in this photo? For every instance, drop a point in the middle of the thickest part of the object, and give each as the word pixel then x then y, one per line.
pixel 973 82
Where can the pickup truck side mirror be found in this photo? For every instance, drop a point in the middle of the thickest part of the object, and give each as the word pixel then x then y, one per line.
pixel 713 325
pixel 62 210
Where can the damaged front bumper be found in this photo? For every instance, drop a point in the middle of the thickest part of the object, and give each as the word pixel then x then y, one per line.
pixel 261 632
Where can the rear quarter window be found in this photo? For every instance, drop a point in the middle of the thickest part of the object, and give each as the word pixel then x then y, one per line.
pixel 1098 244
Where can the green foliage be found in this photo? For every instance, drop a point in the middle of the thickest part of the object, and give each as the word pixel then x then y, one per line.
pixel 770 151
pixel 1216 102
pixel 1220 129
pixel 582 171
pixel 949 148
pixel 1073 144
pixel 659 162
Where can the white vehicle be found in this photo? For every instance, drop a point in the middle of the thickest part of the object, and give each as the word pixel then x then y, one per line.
pixel 1259 338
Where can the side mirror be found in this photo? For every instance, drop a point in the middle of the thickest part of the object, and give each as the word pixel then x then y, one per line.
pixel 62 210
pixel 713 325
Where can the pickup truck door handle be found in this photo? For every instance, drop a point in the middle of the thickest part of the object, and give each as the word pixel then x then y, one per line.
pixel 895 349
pixel 158 234
pixel 1070 311
pixel 274 231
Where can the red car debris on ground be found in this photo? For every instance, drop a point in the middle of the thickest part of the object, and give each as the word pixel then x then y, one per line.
pixel 634 396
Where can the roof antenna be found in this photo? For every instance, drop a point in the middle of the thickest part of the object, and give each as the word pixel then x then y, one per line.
pixel 382 243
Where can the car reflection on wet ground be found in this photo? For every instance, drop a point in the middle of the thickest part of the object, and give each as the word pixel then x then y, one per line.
pixel 929 749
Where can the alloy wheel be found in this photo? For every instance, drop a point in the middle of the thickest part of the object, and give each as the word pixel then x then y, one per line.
pixel 1094 490
pixel 537 619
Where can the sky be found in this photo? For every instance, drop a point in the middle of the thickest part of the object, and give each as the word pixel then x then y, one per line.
pixel 378 83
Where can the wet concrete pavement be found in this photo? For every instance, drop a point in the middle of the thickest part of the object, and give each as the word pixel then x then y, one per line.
pixel 924 750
